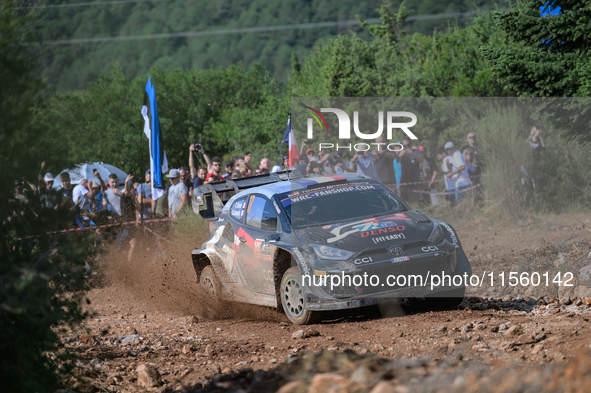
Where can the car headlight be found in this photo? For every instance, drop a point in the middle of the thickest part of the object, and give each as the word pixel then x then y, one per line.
pixel 436 236
pixel 326 252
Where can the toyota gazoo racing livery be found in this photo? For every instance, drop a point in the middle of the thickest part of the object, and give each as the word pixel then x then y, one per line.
pixel 308 245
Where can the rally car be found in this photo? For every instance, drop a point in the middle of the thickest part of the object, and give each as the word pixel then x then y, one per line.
pixel 282 240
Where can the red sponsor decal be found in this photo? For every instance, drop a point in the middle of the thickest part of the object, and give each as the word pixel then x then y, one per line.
pixel 379 231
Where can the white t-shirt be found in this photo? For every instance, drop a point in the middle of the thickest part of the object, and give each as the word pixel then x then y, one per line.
pixel 79 197
pixel 174 197
pixel 457 160
pixel 450 183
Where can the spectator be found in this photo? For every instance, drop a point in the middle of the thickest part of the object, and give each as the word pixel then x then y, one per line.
pixel 303 165
pixel 178 195
pixel 471 138
pixel 426 173
pixel 81 195
pixel 212 179
pixel 48 196
pixel 229 169
pixel 257 171
pixel 200 149
pixel 409 171
pixel 265 164
pixel 536 142
pixel 216 168
pixel 384 162
pixel 286 162
pixel 113 197
pixel 264 171
pixel 474 173
pixel 144 196
pixel 305 148
pixel 96 203
pixel 276 168
pixel 457 170
pixel 326 162
pixel 19 192
pixel 65 193
pixel 340 165
pixel 365 163
pixel 314 168
pixel 236 174
pixel 200 178
pixel 185 177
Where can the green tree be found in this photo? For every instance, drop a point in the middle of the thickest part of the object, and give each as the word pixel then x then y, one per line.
pixel 40 277
pixel 552 60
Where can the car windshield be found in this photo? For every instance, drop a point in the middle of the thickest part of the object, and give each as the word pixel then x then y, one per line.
pixel 339 204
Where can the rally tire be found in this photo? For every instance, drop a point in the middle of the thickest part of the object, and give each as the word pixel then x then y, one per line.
pixel 293 301
pixel 212 304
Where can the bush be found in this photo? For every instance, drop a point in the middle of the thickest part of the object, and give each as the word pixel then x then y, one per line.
pixel 40 291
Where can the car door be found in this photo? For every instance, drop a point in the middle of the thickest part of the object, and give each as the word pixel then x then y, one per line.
pixel 229 243
pixel 255 238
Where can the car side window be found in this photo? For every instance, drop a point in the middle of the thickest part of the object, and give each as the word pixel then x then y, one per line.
pixel 260 214
pixel 238 208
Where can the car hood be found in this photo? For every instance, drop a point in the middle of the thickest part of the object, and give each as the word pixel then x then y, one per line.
pixel 368 233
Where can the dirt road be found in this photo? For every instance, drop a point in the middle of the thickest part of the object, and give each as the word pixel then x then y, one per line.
pixel 146 315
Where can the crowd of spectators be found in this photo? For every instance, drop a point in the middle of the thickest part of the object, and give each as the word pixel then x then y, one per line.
pixel 409 171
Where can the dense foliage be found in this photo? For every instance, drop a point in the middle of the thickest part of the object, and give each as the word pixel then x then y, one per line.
pixel 39 277
pixel 75 66
pixel 554 59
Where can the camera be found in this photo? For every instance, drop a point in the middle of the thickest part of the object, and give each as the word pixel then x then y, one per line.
pixel 359 153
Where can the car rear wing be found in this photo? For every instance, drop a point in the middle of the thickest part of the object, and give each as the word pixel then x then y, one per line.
pixel 209 199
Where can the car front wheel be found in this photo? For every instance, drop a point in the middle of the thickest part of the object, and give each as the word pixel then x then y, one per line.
pixel 293 301
pixel 212 304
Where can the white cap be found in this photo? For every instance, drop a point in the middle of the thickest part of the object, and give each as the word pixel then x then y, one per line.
pixel 276 168
pixel 173 173
pixel 449 145
pixel 48 177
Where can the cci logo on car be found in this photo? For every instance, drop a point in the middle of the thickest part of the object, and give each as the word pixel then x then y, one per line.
pixel 429 248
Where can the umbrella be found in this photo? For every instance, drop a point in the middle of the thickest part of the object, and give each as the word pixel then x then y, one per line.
pixel 84 171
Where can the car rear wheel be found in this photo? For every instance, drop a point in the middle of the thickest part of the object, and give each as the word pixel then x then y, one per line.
pixel 212 304
pixel 293 301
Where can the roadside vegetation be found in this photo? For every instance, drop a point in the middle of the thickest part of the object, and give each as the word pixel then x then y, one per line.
pixel 245 106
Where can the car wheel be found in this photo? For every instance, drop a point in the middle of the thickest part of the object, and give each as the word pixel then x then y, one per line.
pixel 292 299
pixel 212 305
pixel 447 299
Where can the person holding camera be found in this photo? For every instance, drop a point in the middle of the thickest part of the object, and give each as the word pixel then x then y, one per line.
pixel 365 163
pixel 199 148
pixel 384 161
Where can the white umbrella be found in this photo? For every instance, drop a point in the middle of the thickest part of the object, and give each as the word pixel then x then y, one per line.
pixel 85 171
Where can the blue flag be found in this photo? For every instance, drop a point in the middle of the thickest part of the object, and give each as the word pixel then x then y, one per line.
pixel 159 163
pixel 287 130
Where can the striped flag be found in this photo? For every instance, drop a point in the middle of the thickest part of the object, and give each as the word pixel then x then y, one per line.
pixel 152 130
pixel 289 138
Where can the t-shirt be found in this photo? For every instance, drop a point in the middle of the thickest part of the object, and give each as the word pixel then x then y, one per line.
pixel 425 169
pixel 385 170
pixel 174 197
pixel 450 184
pixel 146 191
pixel 409 166
pixel 65 195
pixel 457 160
pixel 365 166
pixel 48 197
pixel 79 197
pixel 213 174
pixel 114 200
pixel 197 182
